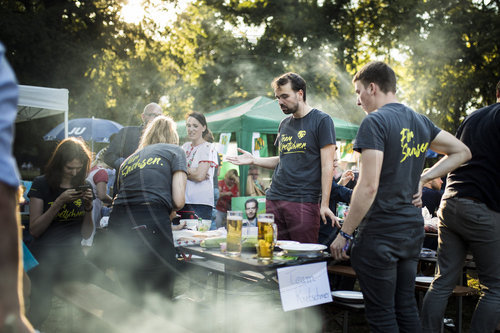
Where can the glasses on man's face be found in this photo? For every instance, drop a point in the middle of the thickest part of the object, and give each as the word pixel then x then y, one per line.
pixel 153 115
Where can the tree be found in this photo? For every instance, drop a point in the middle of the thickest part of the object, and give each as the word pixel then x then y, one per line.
pixel 304 37
pixel 449 54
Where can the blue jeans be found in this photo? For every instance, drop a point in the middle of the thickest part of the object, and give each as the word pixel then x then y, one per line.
pixel 386 266
pixel 466 224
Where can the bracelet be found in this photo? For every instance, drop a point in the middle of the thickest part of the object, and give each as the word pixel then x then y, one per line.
pixel 346 235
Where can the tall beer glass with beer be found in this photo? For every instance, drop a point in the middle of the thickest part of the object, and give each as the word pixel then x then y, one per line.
pixel 266 237
pixel 234 224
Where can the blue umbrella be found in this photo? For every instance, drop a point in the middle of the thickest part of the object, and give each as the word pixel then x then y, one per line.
pixel 89 129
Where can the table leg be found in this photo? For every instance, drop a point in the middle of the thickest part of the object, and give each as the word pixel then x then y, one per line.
pixel 230 314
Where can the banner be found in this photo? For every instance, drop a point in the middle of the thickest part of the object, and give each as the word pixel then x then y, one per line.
pixel 259 144
pixel 346 152
pixel 224 140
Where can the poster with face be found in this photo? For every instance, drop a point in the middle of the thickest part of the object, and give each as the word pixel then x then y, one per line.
pixel 250 206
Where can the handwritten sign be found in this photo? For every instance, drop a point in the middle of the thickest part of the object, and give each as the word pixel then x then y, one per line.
pixel 303 286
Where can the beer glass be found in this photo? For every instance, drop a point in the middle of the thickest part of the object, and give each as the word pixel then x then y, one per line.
pixel 234 226
pixel 267 234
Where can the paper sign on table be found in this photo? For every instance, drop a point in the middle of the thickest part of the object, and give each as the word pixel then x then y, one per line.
pixel 304 285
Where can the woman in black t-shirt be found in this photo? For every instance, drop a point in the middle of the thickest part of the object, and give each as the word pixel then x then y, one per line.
pixel 60 214
pixel 151 184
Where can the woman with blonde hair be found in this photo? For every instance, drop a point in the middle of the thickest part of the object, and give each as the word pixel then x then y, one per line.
pixel 151 184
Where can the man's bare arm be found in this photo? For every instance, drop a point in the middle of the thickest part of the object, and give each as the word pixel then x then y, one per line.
pixel 246 158
pixel 456 153
pixel 327 156
pixel 12 317
pixel 362 198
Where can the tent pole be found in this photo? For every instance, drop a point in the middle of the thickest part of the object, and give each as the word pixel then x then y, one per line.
pixel 66 124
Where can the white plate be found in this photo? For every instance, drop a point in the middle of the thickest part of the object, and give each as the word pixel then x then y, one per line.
pixel 281 243
pixel 303 247
pixel 424 279
pixel 348 294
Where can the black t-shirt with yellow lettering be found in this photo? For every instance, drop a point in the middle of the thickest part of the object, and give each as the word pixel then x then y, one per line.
pixel 297 177
pixel 403 136
pixel 146 176
pixel 65 229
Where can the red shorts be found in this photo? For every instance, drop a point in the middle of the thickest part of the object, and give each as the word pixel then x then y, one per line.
pixel 295 220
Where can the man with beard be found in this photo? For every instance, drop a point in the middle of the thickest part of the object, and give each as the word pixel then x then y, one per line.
pixel 300 188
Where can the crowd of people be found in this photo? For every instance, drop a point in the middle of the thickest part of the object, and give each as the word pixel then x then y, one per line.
pixel 158 180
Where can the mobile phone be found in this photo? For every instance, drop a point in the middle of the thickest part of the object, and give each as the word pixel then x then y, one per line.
pixel 83 188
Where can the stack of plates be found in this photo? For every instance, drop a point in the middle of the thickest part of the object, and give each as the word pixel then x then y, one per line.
pixel 348 296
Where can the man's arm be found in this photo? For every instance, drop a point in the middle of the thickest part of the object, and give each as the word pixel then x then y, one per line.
pixel 362 198
pixel 12 317
pixel 247 158
pixel 340 193
pixel 456 153
pixel 327 156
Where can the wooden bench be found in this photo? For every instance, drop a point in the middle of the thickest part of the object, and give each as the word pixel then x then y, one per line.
pixel 113 310
pixel 341 270
pixel 458 292
pixel 344 307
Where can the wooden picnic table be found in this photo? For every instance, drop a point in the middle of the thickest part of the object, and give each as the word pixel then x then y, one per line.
pixel 245 267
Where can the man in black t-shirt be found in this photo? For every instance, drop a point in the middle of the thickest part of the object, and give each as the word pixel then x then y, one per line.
pixel 469 219
pixel 303 171
pixel 392 140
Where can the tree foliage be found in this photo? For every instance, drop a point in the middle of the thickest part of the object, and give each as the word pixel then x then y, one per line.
pixel 446 53
pixel 451 57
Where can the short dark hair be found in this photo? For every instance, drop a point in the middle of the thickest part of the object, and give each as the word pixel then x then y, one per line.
pixel 252 200
pixel 201 118
pixel 379 73
pixel 297 82
pixel 66 151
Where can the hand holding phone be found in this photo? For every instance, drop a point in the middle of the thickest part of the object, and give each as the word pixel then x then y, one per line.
pixel 83 188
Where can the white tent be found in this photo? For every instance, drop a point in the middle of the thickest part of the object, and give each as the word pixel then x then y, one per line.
pixel 38 102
